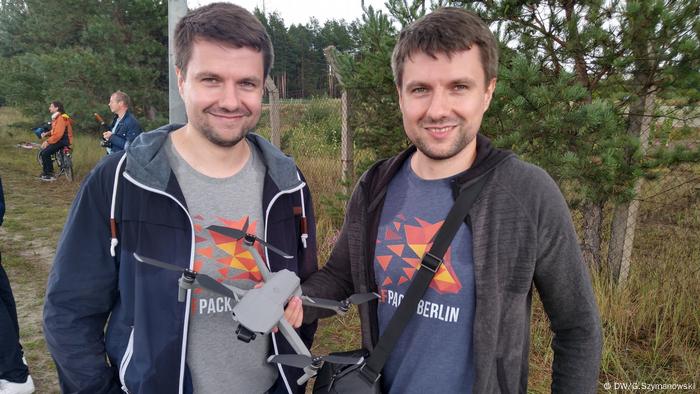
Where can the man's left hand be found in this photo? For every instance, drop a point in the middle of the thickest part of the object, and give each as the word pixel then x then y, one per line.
pixel 44 144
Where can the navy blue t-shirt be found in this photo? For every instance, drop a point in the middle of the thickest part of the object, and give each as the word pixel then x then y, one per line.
pixel 435 352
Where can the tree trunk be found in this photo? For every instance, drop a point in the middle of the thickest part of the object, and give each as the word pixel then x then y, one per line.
pixel 592 230
pixel 624 221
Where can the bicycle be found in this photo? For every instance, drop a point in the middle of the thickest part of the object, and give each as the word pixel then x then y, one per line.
pixel 63 161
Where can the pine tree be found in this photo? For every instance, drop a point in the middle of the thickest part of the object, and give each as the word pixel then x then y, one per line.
pixel 621 56
pixel 79 52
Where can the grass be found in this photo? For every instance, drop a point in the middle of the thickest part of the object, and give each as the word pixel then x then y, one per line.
pixel 651 326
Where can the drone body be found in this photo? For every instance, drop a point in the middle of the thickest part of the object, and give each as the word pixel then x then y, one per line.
pixel 260 309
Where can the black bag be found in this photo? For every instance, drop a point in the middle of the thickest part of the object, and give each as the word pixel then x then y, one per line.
pixel 361 378
pixel 345 379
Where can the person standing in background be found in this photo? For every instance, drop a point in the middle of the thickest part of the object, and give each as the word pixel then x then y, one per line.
pixel 124 127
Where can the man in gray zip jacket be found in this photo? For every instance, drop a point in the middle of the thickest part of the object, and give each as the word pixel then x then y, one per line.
pixel 471 329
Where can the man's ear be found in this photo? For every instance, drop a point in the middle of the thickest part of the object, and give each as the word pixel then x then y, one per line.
pixel 488 94
pixel 398 91
pixel 180 79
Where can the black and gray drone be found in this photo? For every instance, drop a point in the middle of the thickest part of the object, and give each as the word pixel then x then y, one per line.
pixel 257 311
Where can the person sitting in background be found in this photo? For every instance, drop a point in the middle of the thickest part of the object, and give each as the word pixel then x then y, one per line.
pixel 124 127
pixel 61 135
pixel 14 374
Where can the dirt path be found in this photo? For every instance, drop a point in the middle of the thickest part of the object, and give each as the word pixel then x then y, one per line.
pixel 27 265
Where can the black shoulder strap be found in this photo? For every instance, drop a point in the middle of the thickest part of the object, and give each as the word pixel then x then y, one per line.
pixel 421 280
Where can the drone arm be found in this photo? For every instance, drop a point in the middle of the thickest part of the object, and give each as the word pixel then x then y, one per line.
pixel 237 291
pixel 264 271
pixel 322 303
pixel 298 345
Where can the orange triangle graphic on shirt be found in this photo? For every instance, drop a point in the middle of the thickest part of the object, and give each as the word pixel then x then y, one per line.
pixel 403 279
pixel 412 261
pixel 384 261
pixel 387 281
pixel 254 276
pixel 418 249
pixel 198 239
pixel 390 235
pixel 208 251
pixel 443 275
pixel 409 272
pixel 398 249
pixel 397 225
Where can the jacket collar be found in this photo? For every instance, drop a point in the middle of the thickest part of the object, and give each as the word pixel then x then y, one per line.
pixel 379 175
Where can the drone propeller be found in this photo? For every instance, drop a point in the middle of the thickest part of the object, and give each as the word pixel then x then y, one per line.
pixel 238 234
pixel 303 361
pixel 361 298
pixel 203 280
pixel 339 306
pixel 157 263
pixel 211 284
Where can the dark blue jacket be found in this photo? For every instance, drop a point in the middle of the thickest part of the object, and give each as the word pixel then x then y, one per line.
pixel 125 133
pixel 2 203
pixel 144 340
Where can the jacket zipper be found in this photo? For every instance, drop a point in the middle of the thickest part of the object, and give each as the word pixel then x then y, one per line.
pixel 126 359
pixel 267 261
pixel 189 293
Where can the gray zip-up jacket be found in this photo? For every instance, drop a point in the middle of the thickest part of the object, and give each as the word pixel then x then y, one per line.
pixel 522 235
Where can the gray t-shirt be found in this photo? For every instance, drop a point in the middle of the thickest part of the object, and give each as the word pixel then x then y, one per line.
pixel 434 353
pixel 217 360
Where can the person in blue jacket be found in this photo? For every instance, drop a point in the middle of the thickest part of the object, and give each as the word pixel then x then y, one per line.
pixel 124 127
pixel 113 324
pixel 14 374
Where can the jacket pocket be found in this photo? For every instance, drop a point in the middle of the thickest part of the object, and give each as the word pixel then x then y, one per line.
pixel 501 376
pixel 126 359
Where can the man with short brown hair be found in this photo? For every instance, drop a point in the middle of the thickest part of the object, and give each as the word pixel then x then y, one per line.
pixel 164 193
pixel 124 128
pixel 471 330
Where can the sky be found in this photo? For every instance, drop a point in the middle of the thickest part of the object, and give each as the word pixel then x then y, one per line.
pixel 300 11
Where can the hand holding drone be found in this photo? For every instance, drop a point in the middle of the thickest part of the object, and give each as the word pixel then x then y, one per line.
pixel 257 311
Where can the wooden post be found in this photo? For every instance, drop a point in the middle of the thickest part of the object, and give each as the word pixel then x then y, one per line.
pixel 176 112
pixel 274 95
pixel 346 143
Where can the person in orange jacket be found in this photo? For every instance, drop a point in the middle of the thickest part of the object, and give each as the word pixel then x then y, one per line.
pixel 61 135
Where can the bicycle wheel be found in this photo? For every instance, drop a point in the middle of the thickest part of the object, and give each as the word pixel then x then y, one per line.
pixel 65 164
pixel 68 167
